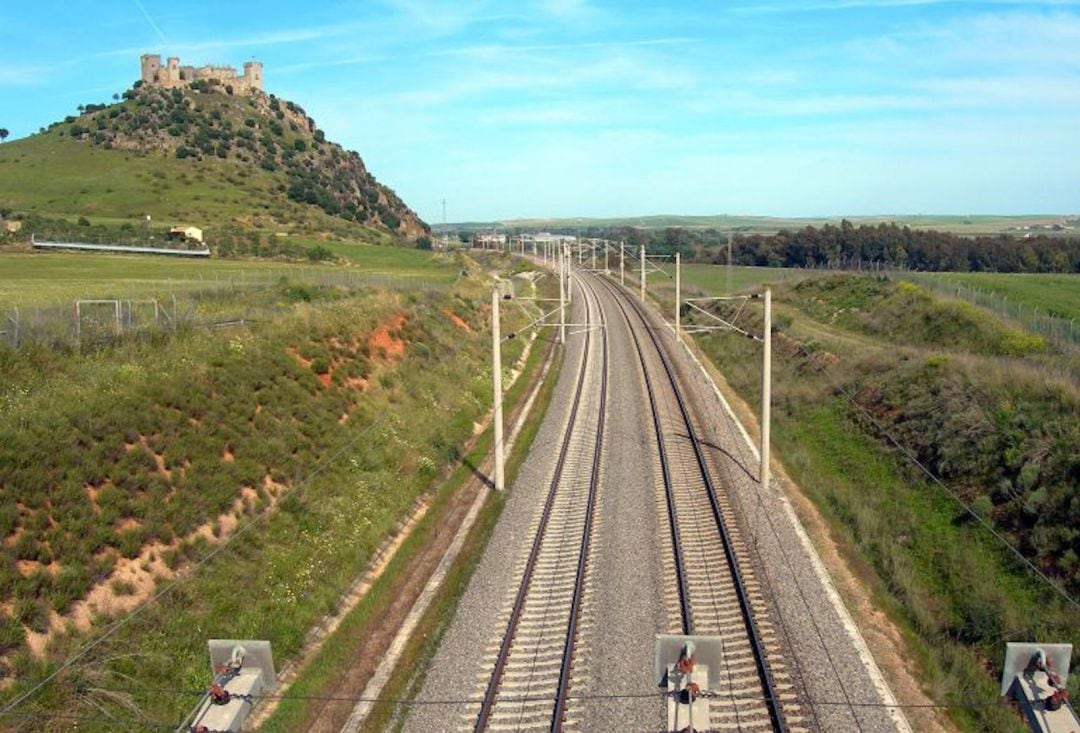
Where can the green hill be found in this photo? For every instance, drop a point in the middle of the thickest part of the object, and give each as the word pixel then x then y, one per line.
pixel 202 157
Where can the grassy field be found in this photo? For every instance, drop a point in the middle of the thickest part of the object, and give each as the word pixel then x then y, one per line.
pixel 768 224
pixel 70 178
pixel 347 407
pixel 50 277
pixel 1053 294
pixel 717 280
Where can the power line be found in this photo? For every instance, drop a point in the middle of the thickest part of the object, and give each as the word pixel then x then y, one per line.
pixel 123 621
pixel 115 723
pixel 805 353
pixel 742 699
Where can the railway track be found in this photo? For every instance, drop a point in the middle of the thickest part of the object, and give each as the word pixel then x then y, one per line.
pixel 711 587
pixel 532 666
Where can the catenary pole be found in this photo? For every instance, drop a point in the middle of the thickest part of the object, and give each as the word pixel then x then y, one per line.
pixel 678 295
pixel 766 390
pixel 562 295
pixel 622 264
pixel 643 273
pixel 496 378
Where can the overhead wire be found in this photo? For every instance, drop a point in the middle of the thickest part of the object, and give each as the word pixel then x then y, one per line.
pixel 124 620
pixel 804 352
pixel 746 699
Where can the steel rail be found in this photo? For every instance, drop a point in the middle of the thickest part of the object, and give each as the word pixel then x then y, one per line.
pixel 579 581
pixel 756 644
pixel 669 488
pixel 492 689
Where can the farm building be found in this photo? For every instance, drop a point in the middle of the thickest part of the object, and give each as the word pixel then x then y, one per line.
pixel 193 233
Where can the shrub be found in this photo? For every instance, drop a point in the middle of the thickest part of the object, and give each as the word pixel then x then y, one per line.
pixel 12 635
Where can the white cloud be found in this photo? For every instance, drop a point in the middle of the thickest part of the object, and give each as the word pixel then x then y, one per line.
pixel 17 76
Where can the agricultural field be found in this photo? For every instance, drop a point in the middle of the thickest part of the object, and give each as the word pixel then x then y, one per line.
pixel 51 277
pixel 973 225
pixel 1052 294
pixel 305 439
pixel 1057 295
pixel 722 280
pixel 991 409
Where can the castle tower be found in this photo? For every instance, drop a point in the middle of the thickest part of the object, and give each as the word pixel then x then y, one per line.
pixel 253 75
pixel 172 70
pixel 151 65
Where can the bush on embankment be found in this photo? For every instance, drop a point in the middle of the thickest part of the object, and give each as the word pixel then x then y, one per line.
pixel 122 467
pixel 973 400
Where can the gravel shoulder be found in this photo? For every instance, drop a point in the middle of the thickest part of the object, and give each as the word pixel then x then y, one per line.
pixel 449 698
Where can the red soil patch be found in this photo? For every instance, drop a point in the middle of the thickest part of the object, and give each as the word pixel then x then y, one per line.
pixel 159 460
pixel 127 525
pixel 27 568
pixel 92 492
pixel 382 341
pixel 295 353
pixel 457 321
pixel 13 539
pixel 141 574
pixel 326 379
pixel 273 489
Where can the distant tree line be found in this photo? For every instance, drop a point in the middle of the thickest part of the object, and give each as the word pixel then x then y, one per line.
pixel 849 246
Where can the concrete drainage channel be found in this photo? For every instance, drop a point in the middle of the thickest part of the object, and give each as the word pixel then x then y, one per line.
pixel 319 635
pixel 389 662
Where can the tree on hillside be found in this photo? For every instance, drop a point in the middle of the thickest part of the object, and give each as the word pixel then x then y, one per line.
pixel 3 134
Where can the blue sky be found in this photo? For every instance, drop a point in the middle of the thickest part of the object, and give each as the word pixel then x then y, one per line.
pixel 602 108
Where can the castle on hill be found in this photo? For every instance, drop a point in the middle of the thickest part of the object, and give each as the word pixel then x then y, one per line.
pixel 173 75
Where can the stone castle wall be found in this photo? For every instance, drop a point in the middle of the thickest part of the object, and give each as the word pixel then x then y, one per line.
pixel 172 74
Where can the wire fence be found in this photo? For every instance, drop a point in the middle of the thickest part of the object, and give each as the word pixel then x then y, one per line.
pixel 1062 330
pixel 209 300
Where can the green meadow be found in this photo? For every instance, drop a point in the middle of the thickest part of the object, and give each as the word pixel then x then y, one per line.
pixel 38 278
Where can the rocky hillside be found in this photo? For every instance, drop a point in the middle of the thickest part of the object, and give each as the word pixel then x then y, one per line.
pixel 253 160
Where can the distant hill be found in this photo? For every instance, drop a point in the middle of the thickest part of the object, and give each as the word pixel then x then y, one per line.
pixel 204 157
pixel 983 224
